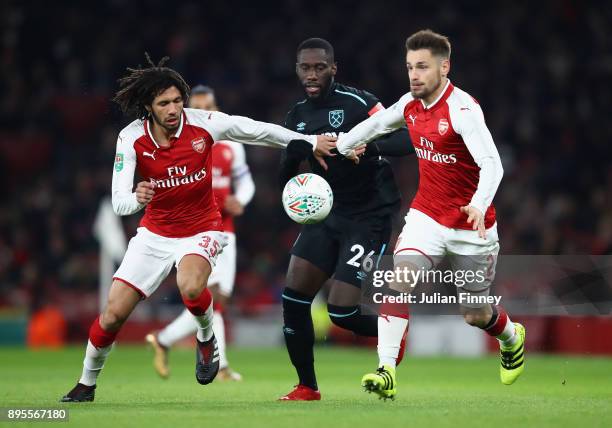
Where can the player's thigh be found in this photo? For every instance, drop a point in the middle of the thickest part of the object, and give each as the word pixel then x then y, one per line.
pixel 473 260
pixel 224 273
pixel 196 257
pixel 146 263
pixel 304 277
pixel 313 260
pixel 421 244
pixel 343 294
pixel 362 245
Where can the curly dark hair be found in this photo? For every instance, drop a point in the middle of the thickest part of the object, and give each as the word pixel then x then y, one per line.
pixel 140 86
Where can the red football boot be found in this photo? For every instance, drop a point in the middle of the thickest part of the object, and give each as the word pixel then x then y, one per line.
pixel 302 393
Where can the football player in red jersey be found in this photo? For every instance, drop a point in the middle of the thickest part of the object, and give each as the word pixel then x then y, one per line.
pixel 452 213
pixel 234 188
pixel 171 147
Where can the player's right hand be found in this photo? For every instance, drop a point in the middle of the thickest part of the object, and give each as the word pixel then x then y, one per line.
pixel 144 192
pixel 325 144
pixel 355 153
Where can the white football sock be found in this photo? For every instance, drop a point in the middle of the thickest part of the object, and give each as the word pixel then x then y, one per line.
pixel 219 329
pixel 184 325
pixel 390 333
pixel 508 337
pixel 93 363
pixel 205 324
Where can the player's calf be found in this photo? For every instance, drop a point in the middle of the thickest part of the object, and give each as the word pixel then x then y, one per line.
pixel 351 318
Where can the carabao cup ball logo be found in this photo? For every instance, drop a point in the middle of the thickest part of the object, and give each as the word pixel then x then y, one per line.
pixel 307 198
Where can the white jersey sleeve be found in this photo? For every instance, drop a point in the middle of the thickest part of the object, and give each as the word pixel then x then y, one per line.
pixel 123 198
pixel 244 130
pixel 380 123
pixel 470 124
pixel 244 187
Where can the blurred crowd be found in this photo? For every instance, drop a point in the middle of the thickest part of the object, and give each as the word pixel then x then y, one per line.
pixel 540 71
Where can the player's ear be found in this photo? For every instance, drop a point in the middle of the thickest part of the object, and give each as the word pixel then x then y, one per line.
pixel 445 67
pixel 148 107
pixel 334 69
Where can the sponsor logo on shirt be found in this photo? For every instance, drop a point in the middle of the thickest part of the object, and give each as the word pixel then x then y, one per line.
pixel 175 179
pixel 427 152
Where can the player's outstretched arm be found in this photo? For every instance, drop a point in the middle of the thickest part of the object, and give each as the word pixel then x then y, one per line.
pixel 248 131
pixel 377 125
pixel 125 202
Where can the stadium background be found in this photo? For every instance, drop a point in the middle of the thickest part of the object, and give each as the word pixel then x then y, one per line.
pixel 540 72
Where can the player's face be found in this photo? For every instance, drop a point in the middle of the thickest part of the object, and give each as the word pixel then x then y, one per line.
pixel 315 70
pixel 167 108
pixel 425 72
pixel 203 102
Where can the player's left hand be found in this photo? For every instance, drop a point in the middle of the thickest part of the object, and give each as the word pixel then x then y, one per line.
pixel 476 219
pixel 232 206
pixel 325 144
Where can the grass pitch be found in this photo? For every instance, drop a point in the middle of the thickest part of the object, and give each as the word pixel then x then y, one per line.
pixel 433 392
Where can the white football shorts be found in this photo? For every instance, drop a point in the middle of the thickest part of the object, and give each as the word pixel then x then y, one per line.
pixel 150 257
pixel 224 272
pixel 424 242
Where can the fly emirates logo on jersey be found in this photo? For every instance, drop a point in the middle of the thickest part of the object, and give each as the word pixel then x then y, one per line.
pixel 177 176
pixel 426 151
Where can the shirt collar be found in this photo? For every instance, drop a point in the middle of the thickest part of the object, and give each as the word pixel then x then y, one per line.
pixel 444 94
pixel 176 136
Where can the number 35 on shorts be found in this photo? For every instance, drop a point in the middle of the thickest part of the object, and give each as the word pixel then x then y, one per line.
pixel 213 245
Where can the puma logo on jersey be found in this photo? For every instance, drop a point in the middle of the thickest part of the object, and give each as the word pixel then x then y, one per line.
pixel 151 155
pixel 301 126
pixel 412 118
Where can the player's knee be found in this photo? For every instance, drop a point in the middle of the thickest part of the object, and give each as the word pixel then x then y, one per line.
pixel 192 284
pixel 112 319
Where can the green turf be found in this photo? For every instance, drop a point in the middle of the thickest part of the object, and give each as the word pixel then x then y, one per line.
pixel 554 391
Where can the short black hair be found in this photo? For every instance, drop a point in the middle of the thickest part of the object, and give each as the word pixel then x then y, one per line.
pixel 317 43
pixel 202 90
pixel 140 86
pixel 427 39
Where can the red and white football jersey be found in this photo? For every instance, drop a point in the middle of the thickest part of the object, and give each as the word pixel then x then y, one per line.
pixel 229 175
pixel 183 204
pixel 458 162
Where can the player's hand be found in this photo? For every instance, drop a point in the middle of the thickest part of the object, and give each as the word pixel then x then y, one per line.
pixel 355 153
pixel 232 206
pixel 476 219
pixel 144 192
pixel 324 146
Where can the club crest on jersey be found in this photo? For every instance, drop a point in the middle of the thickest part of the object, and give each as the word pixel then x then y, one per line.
pixel 199 144
pixel 442 126
pixel 336 117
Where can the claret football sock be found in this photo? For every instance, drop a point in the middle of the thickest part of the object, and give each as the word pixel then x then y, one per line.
pixel 299 335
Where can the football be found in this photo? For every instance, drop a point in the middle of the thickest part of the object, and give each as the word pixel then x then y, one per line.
pixel 307 198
